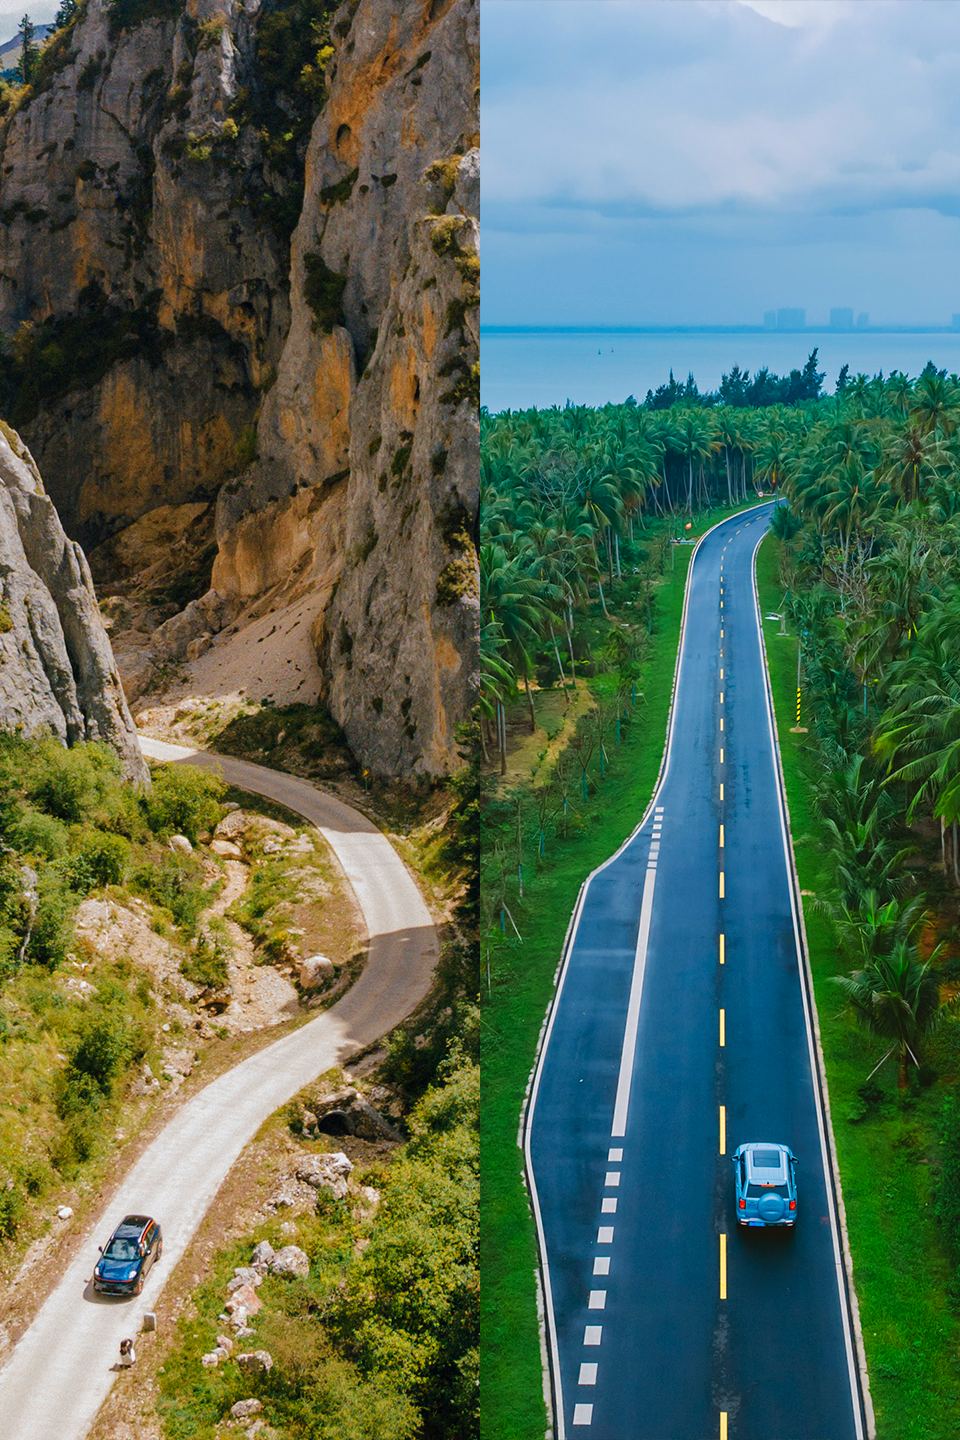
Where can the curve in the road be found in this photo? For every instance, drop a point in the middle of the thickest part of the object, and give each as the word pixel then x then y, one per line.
pixel 59 1373
pixel 681 1018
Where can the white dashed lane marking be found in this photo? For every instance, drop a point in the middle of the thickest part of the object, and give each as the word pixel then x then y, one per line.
pixel 601 1265
pixel 605 1235
pixel 598 1300
pixel 591 1335
pixel 583 1414
pixel 588 1372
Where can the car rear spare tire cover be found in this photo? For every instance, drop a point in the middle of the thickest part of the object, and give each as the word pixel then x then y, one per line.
pixel 770 1208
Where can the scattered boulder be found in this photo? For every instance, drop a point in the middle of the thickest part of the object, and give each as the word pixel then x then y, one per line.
pixel 309 1121
pixel 225 1343
pixel 244 1297
pixel 244 1275
pixel 64 1212
pixel 256 1362
pixel 150 1321
pixel 291 1261
pixel 181 845
pixel 327 1172
pixel 212 1359
pixel 226 849
pixel 243 1408
pixel 316 970
pixel 263 1253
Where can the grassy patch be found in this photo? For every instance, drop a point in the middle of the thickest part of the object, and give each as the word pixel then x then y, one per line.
pixel 521 979
pixel 889 1149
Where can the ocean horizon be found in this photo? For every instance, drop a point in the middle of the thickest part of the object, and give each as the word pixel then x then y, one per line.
pixel 541 366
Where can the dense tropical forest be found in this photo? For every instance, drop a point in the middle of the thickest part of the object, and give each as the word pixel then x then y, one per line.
pixel 583 510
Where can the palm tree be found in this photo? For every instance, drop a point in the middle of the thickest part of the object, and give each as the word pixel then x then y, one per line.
pixel 897 998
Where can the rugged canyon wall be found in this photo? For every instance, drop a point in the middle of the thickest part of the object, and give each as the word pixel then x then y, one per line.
pixel 56 668
pixel 368 443
pixel 170 349
pixel 138 264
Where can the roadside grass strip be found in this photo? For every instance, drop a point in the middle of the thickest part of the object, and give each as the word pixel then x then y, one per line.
pixel 522 977
pixel 888 1152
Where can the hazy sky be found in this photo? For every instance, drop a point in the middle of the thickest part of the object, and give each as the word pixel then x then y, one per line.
pixel 676 161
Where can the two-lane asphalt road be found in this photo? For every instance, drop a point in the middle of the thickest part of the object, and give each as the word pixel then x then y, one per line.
pixel 681 1028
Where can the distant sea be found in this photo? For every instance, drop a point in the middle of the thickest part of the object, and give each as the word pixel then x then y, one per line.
pixel 545 368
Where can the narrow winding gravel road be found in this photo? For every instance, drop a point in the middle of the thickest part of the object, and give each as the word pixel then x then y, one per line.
pixel 59 1373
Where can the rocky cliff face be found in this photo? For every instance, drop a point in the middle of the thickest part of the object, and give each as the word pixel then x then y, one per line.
pixel 369 442
pixel 168 348
pixel 56 667
pixel 138 265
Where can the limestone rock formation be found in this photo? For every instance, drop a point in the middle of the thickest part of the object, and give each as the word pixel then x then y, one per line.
pixel 56 667
pixel 172 350
pixel 138 265
pixel 368 471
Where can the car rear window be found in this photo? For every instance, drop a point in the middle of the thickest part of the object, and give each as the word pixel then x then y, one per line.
pixel 758 1190
pixel 767 1159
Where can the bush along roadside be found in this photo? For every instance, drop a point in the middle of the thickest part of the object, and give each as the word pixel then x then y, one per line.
pixel 880 913
pixel 574 789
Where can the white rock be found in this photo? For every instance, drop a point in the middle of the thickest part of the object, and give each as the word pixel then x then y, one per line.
pixel 256 1362
pixel 64 1212
pixel 263 1253
pixel 181 845
pixel 315 971
pixel 211 1360
pixel 243 1408
pixel 291 1261
pixel 226 849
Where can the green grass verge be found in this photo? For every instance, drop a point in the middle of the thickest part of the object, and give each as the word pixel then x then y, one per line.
pixel 521 983
pixel 888 1152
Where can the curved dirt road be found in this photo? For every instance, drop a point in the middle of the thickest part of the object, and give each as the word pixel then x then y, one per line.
pixel 59 1374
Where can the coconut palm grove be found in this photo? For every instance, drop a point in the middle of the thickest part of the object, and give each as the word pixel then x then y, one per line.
pixel 583 517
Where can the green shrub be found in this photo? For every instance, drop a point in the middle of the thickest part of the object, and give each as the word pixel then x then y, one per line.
pixel 39 834
pixel 207 964
pixel 102 1049
pixel 175 882
pixel 53 923
pixel 98 858
pixel 183 801
pixel 323 291
pixel 11 1211
pixel 70 784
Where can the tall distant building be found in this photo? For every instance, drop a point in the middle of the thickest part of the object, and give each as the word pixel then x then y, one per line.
pixel 791 319
pixel 863 320
pixel 769 319
pixel 841 319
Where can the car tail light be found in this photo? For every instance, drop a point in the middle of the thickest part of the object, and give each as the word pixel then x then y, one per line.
pixel 793 1204
pixel 743 1204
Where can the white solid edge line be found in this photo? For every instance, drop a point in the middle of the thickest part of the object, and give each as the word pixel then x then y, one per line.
pixel 849 1307
pixel 629 1050
pixel 553 1367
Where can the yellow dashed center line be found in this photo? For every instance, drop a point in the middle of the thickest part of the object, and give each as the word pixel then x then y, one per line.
pixel 723 1129
pixel 721 754
pixel 723 1027
pixel 721 697
pixel 721 949
pixel 721 722
pixel 721 672
pixel 723 1425
pixel 721 884
pixel 721 837
pixel 723 1267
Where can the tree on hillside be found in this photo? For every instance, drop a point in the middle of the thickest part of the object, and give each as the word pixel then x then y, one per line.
pixel 29 51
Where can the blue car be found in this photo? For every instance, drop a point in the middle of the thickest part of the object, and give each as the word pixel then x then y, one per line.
pixel 766 1184
pixel 135 1245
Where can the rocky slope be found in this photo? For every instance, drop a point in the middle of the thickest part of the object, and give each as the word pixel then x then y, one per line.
pixel 168 348
pixel 56 667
